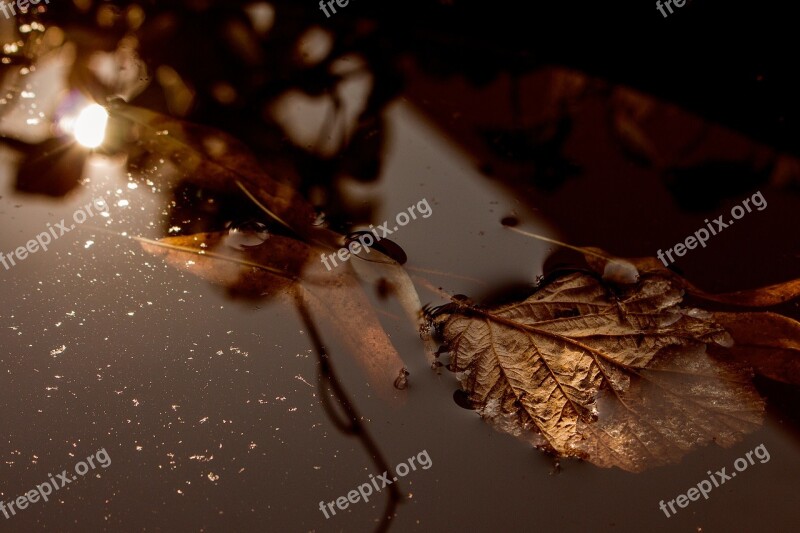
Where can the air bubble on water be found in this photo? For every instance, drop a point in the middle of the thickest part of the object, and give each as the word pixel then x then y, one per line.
pixel 510 221
pixel 246 235
pixel 699 313
pixel 401 383
pixel 621 272
pixel 724 339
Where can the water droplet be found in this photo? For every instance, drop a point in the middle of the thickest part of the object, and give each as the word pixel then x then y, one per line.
pixel 246 235
pixel 385 246
pixel 621 272
pixel 401 383
pixel 724 339
pixel 462 400
pixel 699 313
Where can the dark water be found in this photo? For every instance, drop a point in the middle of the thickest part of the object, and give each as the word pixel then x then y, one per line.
pixel 208 405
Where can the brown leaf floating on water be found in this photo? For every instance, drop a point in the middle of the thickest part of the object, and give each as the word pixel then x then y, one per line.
pixel 761 297
pixel 619 379
pixel 281 266
pixel 278 268
pixel 624 271
pixel 768 342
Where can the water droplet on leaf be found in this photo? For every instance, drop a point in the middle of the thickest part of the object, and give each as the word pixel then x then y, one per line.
pixel 246 235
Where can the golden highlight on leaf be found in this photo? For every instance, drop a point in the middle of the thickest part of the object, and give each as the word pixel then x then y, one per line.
pixel 619 379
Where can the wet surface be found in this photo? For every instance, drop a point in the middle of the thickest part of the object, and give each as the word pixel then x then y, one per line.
pixel 209 405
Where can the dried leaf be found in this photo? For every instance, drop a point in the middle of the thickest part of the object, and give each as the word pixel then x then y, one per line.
pixel 281 266
pixel 760 297
pixel 624 271
pixel 768 342
pixel 618 379
pixel 627 270
pixel 278 268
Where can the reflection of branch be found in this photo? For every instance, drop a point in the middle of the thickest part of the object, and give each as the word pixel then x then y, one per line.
pixel 353 425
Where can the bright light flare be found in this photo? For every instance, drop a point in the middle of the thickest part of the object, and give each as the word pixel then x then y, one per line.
pixel 89 128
